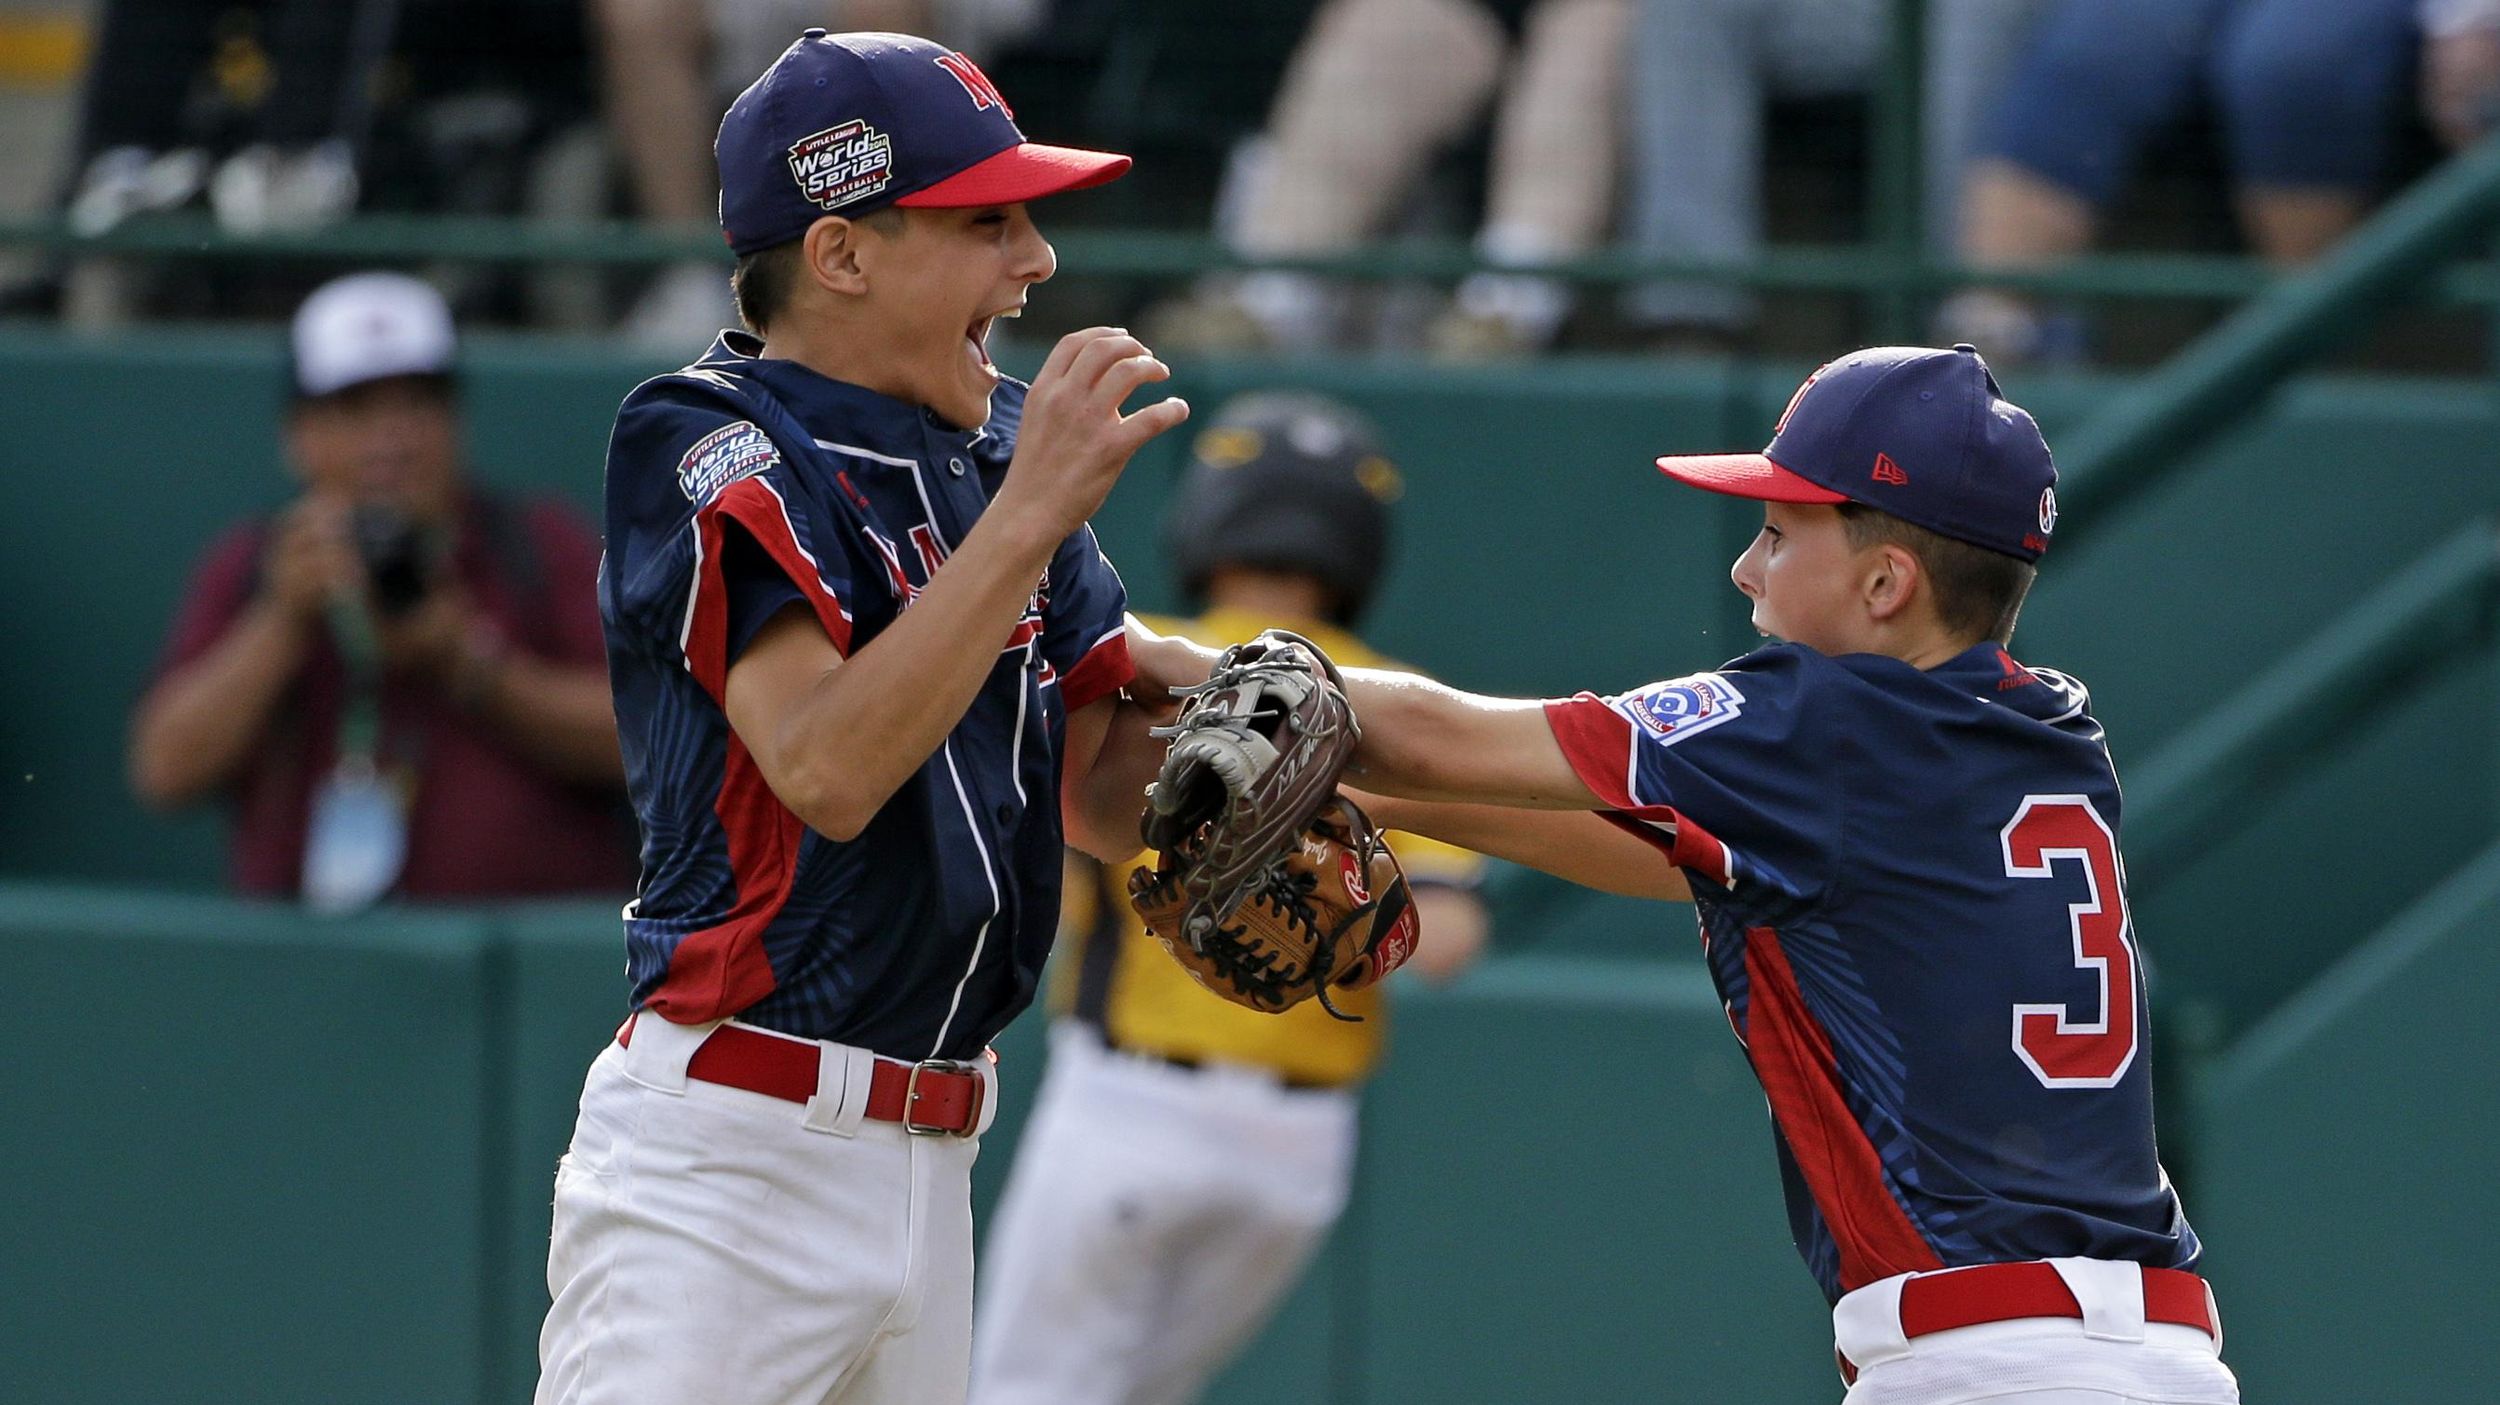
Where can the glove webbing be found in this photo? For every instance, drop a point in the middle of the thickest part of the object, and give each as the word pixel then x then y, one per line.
pixel 1281 886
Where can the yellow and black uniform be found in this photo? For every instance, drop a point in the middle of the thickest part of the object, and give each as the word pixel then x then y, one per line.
pixel 1117 978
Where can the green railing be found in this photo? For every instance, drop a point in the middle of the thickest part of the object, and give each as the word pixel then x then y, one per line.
pixel 1894 194
pixel 1893 268
pixel 1150 254
pixel 2217 381
pixel 2435 614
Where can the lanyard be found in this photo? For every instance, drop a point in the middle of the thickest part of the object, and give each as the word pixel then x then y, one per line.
pixel 360 650
pixel 356 837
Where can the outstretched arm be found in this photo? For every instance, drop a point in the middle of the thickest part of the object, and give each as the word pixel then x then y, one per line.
pixel 1583 848
pixel 1479 772
pixel 1426 741
pixel 1487 774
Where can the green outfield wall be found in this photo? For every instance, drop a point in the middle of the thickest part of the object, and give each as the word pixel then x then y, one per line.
pixel 257 1157
pixel 2346 1148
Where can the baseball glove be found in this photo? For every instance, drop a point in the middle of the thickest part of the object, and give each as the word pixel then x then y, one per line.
pixel 1254 758
pixel 1332 910
pixel 1253 765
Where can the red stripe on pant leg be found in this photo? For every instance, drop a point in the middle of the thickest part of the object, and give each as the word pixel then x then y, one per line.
pixel 722 969
pixel 1793 1057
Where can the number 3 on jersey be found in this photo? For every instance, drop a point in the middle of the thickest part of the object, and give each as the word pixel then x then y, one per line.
pixel 2060 1050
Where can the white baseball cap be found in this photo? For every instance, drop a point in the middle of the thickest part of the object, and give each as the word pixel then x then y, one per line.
pixel 368 327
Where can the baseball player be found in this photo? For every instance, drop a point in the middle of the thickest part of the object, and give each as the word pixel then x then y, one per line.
pixel 1903 844
pixel 864 650
pixel 1188 1155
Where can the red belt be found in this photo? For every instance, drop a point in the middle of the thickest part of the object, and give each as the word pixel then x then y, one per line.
pixel 1967 1297
pixel 930 1098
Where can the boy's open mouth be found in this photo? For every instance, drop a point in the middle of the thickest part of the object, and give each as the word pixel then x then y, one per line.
pixel 977 334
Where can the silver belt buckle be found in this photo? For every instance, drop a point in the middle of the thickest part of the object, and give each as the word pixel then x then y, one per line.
pixel 911 1098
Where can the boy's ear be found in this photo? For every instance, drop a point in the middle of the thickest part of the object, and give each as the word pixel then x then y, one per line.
pixel 831 249
pixel 1894 579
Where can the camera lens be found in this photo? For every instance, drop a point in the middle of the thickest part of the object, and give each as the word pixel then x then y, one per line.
pixel 393 550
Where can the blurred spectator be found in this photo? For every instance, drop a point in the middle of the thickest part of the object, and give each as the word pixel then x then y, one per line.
pixel 260 107
pixel 257 110
pixel 283 115
pixel 397 683
pixel 2461 68
pixel 2310 97
pixel 670 68
pixel 1374 93
pixel 1705 71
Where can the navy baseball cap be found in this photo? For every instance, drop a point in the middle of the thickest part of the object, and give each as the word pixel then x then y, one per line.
pixel 844 124
pixel 1920 433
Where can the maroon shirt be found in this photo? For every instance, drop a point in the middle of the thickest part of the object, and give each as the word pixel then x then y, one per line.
pixel 486 822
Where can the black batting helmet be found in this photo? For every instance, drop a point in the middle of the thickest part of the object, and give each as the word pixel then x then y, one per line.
pixel 1289 481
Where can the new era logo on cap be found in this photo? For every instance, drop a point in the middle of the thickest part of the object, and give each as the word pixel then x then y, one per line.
pixel 1985 475
pixel 849 123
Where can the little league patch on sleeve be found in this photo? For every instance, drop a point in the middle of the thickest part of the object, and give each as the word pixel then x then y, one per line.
pixel 722 457
pixel 1679 707
pixel 840 164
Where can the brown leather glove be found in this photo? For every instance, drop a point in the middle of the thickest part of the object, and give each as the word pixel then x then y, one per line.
pixel 1331 910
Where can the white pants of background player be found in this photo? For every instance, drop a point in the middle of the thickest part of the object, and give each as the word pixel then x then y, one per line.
pixel 1154 1217
pixel 2111 1357
pixel 719 1246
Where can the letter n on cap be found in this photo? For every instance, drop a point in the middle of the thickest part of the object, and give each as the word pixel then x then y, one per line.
pixel 985 94
pixel 1796 399
pixel 1886 471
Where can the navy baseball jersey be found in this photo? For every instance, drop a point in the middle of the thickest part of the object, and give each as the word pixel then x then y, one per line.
pixel 735 488
pixel 1913 905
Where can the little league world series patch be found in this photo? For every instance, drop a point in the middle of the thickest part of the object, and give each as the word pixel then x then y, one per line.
pixel 841 164
pixel 1680 707
pixel 722 457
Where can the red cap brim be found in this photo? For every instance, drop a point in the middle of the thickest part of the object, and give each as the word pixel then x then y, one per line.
pixel 1746 476
pixel 1018 174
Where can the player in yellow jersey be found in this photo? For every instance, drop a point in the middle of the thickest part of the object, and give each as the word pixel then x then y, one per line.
pixel 1187 1156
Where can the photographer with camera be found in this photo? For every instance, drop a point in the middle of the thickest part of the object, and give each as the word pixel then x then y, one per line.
pixel 396 683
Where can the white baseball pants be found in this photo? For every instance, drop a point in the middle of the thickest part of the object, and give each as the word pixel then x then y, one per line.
pixel 2112 1356
pixel 1154 1218
pixel 714 1246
